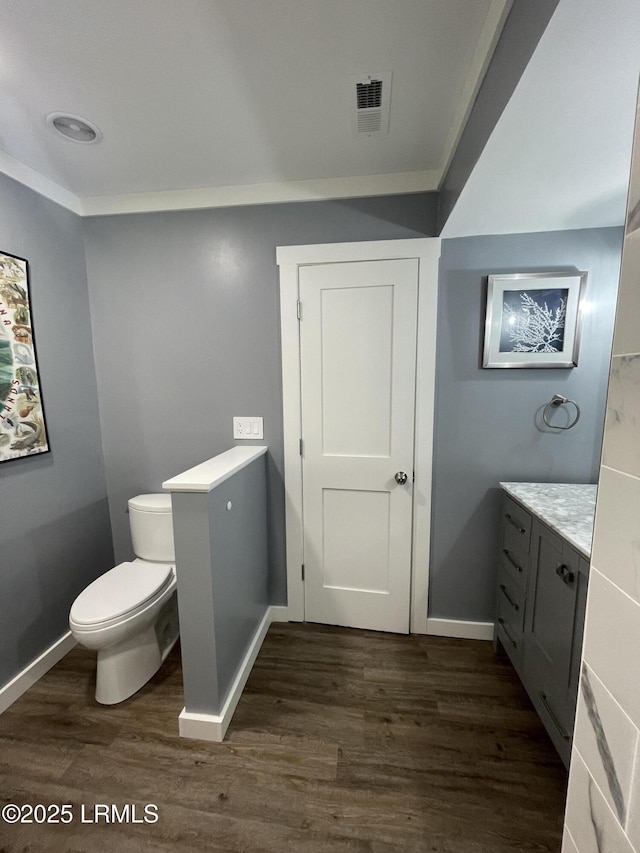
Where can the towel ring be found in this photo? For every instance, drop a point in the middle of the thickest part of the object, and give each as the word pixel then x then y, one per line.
pixel 559 400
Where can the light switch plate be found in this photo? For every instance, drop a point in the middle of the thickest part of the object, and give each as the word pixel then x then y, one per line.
pixel 248 427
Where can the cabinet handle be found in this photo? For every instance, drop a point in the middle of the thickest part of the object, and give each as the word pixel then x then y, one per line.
pixel 565 573
pixel 509 637
pixel 511 560
pixel 554 719
pixel 508 597
pixel 514 523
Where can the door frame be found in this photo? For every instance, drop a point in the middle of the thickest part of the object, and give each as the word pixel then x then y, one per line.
pixel 289 259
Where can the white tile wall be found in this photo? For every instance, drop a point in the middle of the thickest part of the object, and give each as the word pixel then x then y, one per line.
pixel 616 549
pixel 568 844
pixel 612 635
pixel 612 641
pixel 589 819
pixel 633 822
pixel 627 333
pixel 621 446
pixel 621 738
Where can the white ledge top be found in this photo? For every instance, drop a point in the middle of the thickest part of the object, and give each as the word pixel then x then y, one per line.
pixel 209 474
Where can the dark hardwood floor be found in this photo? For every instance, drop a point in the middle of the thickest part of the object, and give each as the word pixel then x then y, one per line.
pixel 343 740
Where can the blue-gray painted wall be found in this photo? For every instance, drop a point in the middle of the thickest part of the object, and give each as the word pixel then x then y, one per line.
pixel 223 572
pixel 55 535
pixel 485 420
pixel 240 565
pixel 186 329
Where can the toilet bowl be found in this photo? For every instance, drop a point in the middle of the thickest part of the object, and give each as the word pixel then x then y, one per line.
pixel 129 615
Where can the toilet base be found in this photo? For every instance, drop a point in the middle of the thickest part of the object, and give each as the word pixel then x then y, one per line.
pixel 125 667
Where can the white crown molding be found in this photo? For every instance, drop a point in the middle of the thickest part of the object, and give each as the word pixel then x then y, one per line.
pixel 35 181
pixel 323 189
pixel 491 32
pixel 272 193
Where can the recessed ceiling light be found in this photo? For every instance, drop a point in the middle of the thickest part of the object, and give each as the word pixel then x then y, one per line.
pixel 75 128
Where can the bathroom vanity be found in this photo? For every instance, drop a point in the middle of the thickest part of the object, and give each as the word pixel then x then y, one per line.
pixel 543 575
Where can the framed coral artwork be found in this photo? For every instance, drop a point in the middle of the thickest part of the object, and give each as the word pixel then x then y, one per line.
pixel 533 319
pixel 22 426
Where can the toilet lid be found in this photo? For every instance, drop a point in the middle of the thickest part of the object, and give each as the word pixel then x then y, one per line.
pixel 151 503
pixel 121 590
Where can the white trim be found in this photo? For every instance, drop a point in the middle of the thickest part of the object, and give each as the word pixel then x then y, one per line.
pixel 423 440
pixel 279 613
pixel 213 727
pixel 38 183
pixel 489 36
pixel 289 258
pixel 239 195
pixel 30 674
pixel 207 475
pixel 292 430
pixel 366 250
pixel 460 629
pixel 359 186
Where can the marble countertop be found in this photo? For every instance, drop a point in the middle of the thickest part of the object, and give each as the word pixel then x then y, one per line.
pixel 567 508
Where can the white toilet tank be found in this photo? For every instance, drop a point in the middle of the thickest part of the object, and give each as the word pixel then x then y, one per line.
pixel 152 528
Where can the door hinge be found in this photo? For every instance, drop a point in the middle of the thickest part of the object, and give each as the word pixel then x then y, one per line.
pixel 413 479
pixel 301 447
pixel 302 571
pixel 299 309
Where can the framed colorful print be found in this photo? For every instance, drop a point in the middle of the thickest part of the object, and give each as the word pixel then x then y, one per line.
pixel 22 425
pixel 533 319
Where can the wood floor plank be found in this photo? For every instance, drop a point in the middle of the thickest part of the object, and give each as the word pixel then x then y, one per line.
pixel 344 741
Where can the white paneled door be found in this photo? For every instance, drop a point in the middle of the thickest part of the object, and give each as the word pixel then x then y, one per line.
pixel 358 379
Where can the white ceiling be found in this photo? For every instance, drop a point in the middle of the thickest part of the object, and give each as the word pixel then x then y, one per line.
pixel 233 94
pixel 559 156
pixel 215 102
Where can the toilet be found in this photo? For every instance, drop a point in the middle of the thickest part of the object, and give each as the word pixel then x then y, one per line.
pixel 130 614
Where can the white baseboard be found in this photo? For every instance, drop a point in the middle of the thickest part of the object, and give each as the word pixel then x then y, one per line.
pixel 460 629
pixel 27 678
pixel 279 613
pixel 213 727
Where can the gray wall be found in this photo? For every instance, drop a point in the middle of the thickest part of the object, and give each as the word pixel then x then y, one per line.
pixel 185 315
pixel 220 608
pixel 523 29
pixel 55 535
pixel 485 429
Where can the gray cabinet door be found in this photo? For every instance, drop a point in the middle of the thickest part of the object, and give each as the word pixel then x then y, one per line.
pixel 549 633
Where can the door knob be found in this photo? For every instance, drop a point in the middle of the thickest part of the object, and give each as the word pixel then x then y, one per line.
pixel 401 478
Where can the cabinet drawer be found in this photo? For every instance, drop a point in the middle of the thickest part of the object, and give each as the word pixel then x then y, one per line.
pixel 511 643
pixel 510 617
pixel 516 531
pixel 515 566
pixel 511 600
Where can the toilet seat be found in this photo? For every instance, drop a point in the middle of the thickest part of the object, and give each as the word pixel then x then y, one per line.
pixel 120 593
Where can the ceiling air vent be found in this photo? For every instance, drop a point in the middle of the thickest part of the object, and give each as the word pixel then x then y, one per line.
pixel 369 104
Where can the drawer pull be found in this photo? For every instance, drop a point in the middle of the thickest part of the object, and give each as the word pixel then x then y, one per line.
pixel 511 560
pixel 514 523
pixel 508 597
pixel 505 629
pixel 554 719
pixel 565 573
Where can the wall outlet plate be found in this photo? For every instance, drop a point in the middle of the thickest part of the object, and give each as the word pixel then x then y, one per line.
pixel 248 427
